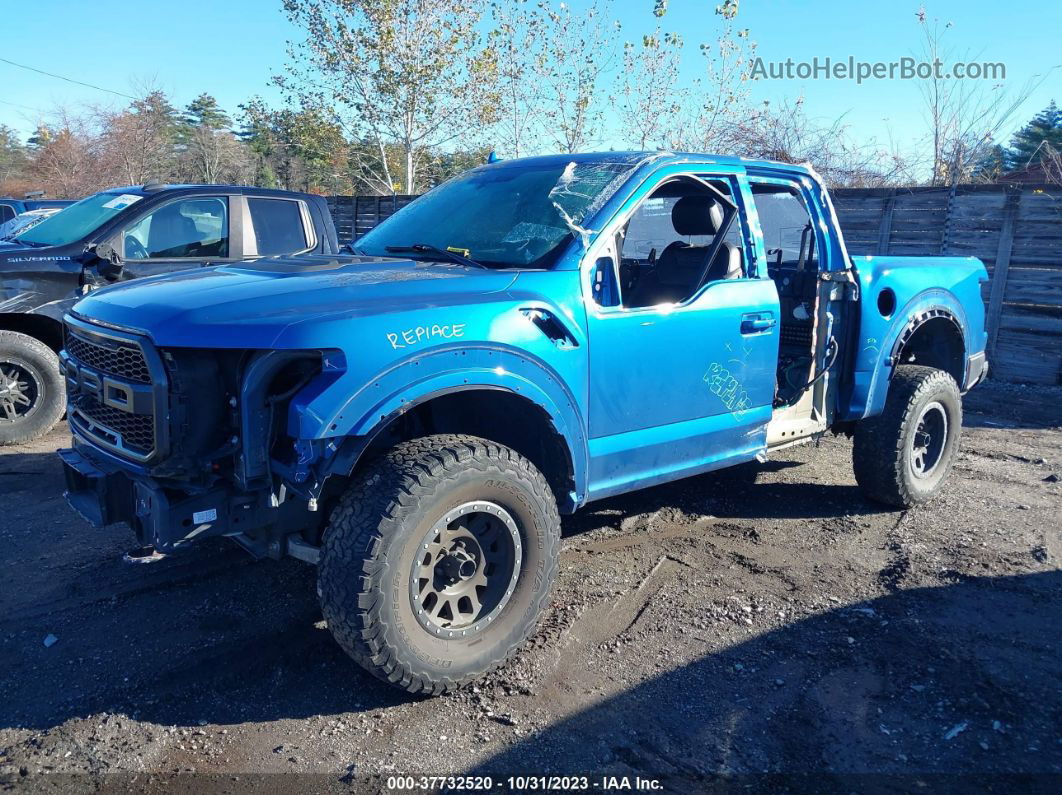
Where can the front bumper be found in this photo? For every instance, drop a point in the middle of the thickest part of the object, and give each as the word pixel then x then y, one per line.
pixel 164 518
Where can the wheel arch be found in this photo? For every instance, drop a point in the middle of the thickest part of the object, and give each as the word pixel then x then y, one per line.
pixel 933 338
pixel 916 323
pixel 509 398
pixel 487 412
pixel 41 327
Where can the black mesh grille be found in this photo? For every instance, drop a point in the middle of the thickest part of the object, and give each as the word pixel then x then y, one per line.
pixel 136 431
pixel 796 334
pixel 123 361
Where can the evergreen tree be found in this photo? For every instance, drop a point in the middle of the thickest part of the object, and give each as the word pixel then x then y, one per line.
pixel 12 153
pixel 1027 145
pixel 203 111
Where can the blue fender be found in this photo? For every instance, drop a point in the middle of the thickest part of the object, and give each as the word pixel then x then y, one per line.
pixel 328 410
pixel 881 342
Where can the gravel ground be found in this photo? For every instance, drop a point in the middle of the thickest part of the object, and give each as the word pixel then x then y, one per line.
pixel 705 628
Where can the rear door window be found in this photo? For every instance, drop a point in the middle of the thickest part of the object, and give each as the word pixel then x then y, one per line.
pixel 278 226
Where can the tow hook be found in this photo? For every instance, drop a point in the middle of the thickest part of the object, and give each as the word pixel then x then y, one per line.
pixel 146 554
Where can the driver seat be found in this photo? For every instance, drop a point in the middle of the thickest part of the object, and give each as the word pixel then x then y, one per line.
pixel 678 271
pixel 172 233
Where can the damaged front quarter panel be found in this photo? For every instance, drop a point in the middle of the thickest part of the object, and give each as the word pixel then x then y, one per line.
pixel 40 285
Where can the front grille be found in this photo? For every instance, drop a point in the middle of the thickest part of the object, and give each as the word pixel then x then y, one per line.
pixel 111 357
pixel 132 432
pixel 116 390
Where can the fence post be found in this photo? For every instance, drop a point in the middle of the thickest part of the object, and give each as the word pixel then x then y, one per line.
pixel 945 237
pixel 885 229
pixel 1002 268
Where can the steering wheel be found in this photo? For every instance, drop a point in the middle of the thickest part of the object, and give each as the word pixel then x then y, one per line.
pixel 134 249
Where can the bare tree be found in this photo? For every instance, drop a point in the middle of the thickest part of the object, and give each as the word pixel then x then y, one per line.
pixel 214 156
pixel 576 52
pixel 1051 161
pixel 788 135
pixel 415 73
pixel 66 158
pixel 517 33
pixel 138 141
pixel 650 98
pixel 721 94
pixel 964 116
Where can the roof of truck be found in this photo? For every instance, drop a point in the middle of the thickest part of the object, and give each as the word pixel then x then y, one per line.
pixel 150 189
pixel 660 157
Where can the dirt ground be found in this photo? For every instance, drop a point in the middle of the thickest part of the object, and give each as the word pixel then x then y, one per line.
pixel 699 631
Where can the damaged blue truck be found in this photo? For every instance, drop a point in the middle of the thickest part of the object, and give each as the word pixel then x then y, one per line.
pixel 527 338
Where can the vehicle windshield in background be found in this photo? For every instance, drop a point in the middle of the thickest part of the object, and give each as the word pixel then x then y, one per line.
pixel 503 216
pixel 23 221
pixel 77 220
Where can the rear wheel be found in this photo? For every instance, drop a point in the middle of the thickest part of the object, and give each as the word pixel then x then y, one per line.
pixel 902 456
pixel 31 388
pixel 438 560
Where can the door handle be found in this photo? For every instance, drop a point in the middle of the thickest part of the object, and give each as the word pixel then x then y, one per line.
pixel 757 322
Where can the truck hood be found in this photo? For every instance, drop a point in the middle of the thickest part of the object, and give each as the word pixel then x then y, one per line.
pixel 252 305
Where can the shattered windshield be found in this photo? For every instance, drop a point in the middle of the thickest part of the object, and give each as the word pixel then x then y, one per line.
pixel 77 220
pixel 503 217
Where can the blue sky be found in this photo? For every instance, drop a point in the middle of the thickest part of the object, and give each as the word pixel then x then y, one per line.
pixel 231 48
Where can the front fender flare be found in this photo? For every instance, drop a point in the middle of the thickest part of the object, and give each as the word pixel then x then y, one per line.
pixel 445 370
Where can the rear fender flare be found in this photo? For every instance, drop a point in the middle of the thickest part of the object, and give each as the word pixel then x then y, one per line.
pixel 924 307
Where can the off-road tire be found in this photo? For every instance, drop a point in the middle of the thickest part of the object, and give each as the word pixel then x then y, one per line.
pixel 884 448
pixel 374 536
pixel 37 363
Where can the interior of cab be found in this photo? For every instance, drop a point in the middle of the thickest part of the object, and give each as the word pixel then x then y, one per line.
pixel 189 228
pixel 793 265
pixel 683 235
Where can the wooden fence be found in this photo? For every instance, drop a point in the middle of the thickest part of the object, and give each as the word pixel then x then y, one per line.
pixel 1015 230
pixel 356 215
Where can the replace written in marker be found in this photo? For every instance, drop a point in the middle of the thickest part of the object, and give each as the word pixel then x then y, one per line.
pixel 418 334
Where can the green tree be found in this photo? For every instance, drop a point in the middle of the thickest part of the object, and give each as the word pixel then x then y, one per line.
pixel 139 142
pixel 203 111
pixel 13 158
pixel 210 152
pixel 1029 144
pixel 409 73
pixel 259 136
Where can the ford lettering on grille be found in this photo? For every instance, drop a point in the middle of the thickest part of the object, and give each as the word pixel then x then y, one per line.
pixel 111 399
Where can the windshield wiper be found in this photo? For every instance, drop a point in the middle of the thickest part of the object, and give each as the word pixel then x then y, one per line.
pixel 425 248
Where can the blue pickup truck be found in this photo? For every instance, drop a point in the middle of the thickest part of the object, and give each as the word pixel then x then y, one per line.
pixel 9 207
pixel 527 338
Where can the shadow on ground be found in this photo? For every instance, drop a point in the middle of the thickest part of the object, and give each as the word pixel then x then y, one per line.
pixel 960 678
pixel 210 635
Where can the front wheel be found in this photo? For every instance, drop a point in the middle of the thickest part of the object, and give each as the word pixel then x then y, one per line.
pixel 438 560
pixel 31 388
pixel 902 456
